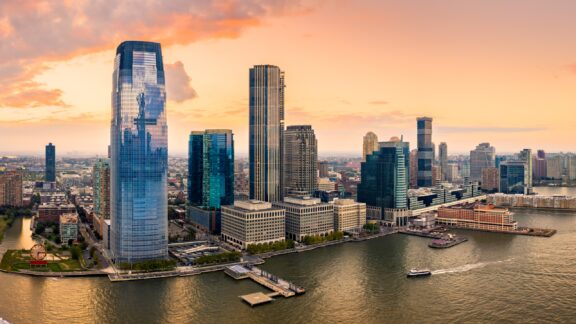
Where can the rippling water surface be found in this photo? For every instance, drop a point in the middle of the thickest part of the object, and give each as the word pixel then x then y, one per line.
pixel 490 278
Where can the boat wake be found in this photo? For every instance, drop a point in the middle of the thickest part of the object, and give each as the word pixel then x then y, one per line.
pixel 467 267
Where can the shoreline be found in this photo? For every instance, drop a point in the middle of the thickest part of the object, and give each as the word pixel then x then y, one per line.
pixel 190 271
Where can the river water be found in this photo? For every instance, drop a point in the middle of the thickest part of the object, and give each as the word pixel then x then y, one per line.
pixel 490 278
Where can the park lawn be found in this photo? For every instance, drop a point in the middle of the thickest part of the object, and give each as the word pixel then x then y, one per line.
pixel 65 265
pixel 16 260
pixel 13 260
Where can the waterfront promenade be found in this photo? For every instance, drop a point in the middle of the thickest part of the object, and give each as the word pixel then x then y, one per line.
pixel 183 271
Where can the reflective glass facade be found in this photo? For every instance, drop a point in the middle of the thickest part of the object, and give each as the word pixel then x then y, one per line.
pixel 512 177
pixel 50 175
pixel 385 176
pixel 211 168
pixel 266 133
pixel 139 154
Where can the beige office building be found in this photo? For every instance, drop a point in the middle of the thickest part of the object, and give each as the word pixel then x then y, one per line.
pixel 349 215
pixel 307 216
pixel 324 184
pixel 252 222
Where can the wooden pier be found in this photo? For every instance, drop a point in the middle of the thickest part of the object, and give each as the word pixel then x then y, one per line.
pixel 279 286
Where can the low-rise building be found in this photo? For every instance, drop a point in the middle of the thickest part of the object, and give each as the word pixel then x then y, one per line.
pixel 68 227
pixel 252 222
pixel 349 215
pixel 52 213
pixel 307 216
pixel 205 219
pixel 479 217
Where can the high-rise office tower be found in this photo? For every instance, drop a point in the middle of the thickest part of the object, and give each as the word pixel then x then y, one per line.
pixel 370 145
pixel 301 160
pixel 480 158
pixel 526 156
pixel 425 152
pixel 266 133
pixel 513 177
pixel 50 175
pixel 139 154
pixel 11 188
pixel 323 169
pixel 554 169
pixel 414 168
pixel 211 168
pixel 101 185
pixel 539 165
pixel 384 176
pixel 443 159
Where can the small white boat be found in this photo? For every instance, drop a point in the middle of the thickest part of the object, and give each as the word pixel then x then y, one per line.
pixel 418 273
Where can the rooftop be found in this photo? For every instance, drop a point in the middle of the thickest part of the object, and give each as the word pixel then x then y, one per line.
pixel 70 218
pixel 252 205
pixel 302 201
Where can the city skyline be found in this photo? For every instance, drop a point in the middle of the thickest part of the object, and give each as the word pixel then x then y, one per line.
pixel 377 86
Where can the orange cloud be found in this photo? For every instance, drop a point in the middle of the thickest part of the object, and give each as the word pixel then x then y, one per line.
pixel 35 32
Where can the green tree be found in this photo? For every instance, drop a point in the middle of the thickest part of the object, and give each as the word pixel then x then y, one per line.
pixel 75 252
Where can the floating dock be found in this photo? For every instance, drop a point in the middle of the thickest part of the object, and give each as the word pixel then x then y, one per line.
pixel 279 286
pixel 256 299
pixel 444 243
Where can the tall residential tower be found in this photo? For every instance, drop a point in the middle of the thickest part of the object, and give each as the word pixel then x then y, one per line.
pixel 139 154
pixel 266 135
pixel 50 163
pixel 443 160
pixel 425 152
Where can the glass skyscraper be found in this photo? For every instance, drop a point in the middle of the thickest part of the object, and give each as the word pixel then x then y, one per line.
pixel 211 168
pixel 513 177
pixel 266 134
pixel 385 176
pixel 425 152
pixel 139 154
pixel 50 175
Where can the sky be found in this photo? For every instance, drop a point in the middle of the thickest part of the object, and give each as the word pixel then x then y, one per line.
pixel 498 71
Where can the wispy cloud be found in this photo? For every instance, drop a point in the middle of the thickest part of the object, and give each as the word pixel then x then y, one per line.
pixel 378 102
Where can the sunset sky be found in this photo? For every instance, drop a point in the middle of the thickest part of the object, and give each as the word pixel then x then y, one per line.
pixel 498 71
